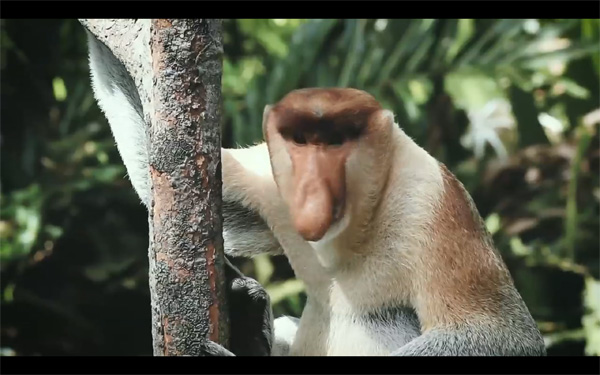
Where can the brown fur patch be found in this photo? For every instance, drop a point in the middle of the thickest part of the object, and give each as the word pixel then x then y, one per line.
pixel 464 276
pixel 328 116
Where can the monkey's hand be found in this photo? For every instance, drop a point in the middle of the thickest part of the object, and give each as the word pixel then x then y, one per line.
pixel 250 315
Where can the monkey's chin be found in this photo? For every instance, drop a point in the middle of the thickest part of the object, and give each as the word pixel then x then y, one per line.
pixel 325 247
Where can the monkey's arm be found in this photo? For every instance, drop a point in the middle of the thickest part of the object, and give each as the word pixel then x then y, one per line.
pixel 117 96
pixel 249 193
pixel 245 232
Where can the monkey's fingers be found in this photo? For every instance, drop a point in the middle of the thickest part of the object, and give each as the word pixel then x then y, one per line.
pixel 231 272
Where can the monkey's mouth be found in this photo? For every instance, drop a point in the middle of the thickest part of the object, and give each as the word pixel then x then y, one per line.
pixel 340 222
pixel 338 213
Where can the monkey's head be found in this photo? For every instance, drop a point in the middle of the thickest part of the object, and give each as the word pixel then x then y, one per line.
pixel 330 151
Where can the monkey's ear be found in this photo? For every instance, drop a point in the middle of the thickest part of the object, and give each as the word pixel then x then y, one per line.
pixel 266 112
pixel 385 120
pixel 387 115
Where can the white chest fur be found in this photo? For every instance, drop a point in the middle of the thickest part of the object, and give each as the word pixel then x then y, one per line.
pixel 326 334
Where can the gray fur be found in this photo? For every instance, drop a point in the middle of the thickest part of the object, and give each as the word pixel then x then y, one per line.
pixel 510 332
pixel 387 315
pixel 119 99
pixel 246 233
pixel 475 340
pixel 404 320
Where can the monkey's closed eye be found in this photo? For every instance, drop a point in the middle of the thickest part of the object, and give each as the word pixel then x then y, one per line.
pixel 335 139
pixel 299 138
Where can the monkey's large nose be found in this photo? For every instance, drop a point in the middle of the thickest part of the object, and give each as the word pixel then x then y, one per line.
pixel 313 211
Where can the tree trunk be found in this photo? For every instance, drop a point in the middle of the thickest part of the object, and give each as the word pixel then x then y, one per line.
pixel 176 65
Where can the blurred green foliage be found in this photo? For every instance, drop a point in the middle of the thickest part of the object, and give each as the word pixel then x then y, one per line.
pixel 511 106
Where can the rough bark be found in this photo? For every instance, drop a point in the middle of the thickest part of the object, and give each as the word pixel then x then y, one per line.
pixel 176 65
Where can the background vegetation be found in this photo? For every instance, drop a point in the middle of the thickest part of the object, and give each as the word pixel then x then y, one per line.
pixel 511 106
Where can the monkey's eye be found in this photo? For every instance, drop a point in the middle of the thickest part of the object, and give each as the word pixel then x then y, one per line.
pixel 299 138
pixel 353 132
pixel 335 139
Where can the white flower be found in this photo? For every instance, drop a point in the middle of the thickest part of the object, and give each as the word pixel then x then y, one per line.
pixel 486 123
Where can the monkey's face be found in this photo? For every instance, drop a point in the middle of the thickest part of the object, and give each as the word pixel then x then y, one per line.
pixel 312 134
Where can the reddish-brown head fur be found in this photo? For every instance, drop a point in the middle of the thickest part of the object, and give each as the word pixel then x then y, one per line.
pixel 324 116
pixel 320 128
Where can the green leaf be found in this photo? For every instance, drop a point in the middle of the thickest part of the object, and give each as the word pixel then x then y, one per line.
pixel 416 33
pixel 59 89
pixel 264 268
pixel 442 44
pixel 354 52
pixel 279 291
pixel 496 29
pixel 464 33
pixel 571 218
pixel 9 293
pixel 591 319
pixel 529 128
pixel 542 60
pixel 470 89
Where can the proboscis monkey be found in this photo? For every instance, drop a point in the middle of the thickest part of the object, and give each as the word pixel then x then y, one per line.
pixel 395 257
pixel 393 253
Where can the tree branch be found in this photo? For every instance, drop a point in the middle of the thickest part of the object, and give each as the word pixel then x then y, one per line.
pixel 176 66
